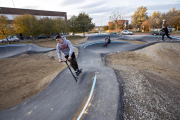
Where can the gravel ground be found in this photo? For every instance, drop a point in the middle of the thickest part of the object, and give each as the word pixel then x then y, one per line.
pixel 151 81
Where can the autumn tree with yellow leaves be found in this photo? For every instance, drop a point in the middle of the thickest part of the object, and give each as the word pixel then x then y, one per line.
pixel 27 24
pixel 5 28
pixel 60 25
pixel 46 26
pixel 139 16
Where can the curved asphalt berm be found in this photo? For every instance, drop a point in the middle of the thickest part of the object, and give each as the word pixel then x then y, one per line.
pixel 14 50
pixel 63 98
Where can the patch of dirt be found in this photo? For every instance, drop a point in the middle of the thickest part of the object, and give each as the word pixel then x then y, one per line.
pixel 151 81
pixel 26 75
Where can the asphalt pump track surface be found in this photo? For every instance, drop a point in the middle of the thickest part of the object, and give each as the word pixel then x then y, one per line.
pixel 64 99
pixel 17 49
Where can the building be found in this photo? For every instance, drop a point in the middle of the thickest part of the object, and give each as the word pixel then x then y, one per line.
pixel 12 13
pixel 120 22
pixel 97 28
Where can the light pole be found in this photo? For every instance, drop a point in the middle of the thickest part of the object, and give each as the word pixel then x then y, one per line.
pixel 143 28
pixel 163 22
pixel 101 24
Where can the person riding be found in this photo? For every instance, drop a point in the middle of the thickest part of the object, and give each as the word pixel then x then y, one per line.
pixel 108 41
pixel 165 29
pixel 66 47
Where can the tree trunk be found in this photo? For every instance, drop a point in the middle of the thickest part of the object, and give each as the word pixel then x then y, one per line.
pixel 6 37
pixel 8 41
pixel 33 39
pixel 84 34
pixel 117 27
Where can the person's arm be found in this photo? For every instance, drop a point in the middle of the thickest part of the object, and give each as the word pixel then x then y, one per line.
pixel 105 40
pixel 108 40
pixel 59 53
pixel 70 47
pixel 162 30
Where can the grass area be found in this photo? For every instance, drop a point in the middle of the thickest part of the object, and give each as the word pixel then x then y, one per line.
pixel 39 41
pixel 141 32
pixel 74 37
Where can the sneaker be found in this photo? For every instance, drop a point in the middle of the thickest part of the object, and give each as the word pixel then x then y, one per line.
pixel 80 71
pixel 77 73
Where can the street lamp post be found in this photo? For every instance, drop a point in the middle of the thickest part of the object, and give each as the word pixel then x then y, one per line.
pixel 163 22
pixel 101 24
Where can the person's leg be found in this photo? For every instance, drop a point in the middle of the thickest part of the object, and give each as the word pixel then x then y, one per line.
pixel 163 37
pixel 168 36
pixel 73 62
pixel 74 65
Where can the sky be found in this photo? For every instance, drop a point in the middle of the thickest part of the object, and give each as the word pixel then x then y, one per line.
pixel 99 10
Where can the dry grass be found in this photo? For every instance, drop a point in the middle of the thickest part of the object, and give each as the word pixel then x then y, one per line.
pixel 26 75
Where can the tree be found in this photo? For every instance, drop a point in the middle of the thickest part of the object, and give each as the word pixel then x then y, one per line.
pixel 146 25
pixel 5 28
pixel 130 26
pixel 72 24
pixel 106 27
pixel 27 24
pixel 122 26
pixel 112 25
pixel 155 19
pixel 173 18
pixel 139 17
pixel 84 23
pixel 46 26
pixel 176 22
pixel 115 17
pixel 60 25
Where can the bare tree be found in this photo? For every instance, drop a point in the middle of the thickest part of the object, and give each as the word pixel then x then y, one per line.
pixel 115 17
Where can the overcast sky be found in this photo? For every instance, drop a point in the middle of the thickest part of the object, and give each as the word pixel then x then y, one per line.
pixel 99 10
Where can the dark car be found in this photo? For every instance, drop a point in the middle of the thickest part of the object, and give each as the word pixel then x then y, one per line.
pixel 114 33
pixel 159 33
pixel 41 37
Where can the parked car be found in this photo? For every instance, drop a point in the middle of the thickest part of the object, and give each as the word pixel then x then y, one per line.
pixel 114 33
pixel 41 37
pixel 126 32
pixel 73 34
pixel 158 33
pixel 11 39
